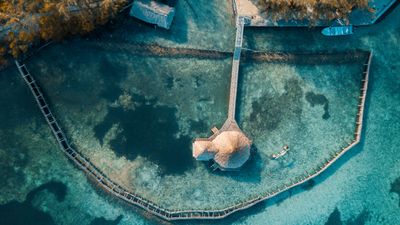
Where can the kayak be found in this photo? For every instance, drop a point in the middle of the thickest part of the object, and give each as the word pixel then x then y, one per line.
pixel 281 153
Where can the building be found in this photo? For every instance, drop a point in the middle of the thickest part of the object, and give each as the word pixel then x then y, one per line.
pixel 228 147
pixel 153 12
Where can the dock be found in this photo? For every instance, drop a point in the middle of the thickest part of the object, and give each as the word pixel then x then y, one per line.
pixel 235 68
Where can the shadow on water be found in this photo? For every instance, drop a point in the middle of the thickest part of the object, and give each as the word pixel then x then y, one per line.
pixel 250 172
pixel 240 96
pixel 150 131
pixel 15 213
pixel 171 3
pixel 334 218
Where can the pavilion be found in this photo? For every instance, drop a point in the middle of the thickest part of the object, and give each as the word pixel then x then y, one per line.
pixel 228 147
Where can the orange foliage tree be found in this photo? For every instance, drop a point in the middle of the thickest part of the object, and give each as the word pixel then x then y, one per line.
pixel 311 10
pixel 25 22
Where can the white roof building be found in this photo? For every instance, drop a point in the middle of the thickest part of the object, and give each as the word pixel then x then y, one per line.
pixel 153 12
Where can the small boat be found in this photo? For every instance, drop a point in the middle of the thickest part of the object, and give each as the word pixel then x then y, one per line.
pixel 281 153
pixel 337 30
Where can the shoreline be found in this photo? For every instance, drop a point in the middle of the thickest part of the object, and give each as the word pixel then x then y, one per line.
pixel 356 18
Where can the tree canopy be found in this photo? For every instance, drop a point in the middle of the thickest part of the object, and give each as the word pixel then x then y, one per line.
pixel 25 22
pixel 311 10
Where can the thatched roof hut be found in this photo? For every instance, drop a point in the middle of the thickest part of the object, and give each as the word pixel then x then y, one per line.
pixel 153 12
pixel 229 149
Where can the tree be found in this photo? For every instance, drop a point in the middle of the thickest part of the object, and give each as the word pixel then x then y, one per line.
pixel 31 21
pixel 311 10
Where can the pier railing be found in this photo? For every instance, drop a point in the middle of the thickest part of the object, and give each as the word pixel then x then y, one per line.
pixel 130 197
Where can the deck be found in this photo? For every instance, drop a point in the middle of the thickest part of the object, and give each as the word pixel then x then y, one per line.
pixel 235 68
pixel 230 123
pixel 132 198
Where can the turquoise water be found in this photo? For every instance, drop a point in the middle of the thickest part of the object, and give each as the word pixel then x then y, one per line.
pixel 97 94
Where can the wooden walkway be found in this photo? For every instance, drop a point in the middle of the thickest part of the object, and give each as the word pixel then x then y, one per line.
pixel 235 68
pixel 230 123
pixel 357 17
pixel 130 197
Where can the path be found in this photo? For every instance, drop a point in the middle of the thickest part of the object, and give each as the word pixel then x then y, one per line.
pixel 230 124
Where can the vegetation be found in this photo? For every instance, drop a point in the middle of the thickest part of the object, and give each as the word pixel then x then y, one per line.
pixel 26 22
pixel 312 10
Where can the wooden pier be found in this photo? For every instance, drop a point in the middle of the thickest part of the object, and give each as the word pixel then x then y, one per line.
pixel 230 123
pixel 235 68
pixel 358 17
pixel 132 198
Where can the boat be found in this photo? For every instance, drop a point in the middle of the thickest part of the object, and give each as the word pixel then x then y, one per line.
pixel 337 30
pixel 281 153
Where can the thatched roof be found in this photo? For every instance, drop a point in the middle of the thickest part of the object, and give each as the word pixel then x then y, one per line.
pixel 233 149
pixel 229 149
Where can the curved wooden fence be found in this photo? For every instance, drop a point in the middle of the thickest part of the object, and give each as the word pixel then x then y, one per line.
pixel 110 186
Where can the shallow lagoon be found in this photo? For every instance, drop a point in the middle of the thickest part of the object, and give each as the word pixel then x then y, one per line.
pixel 366 171
pixel 135 117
